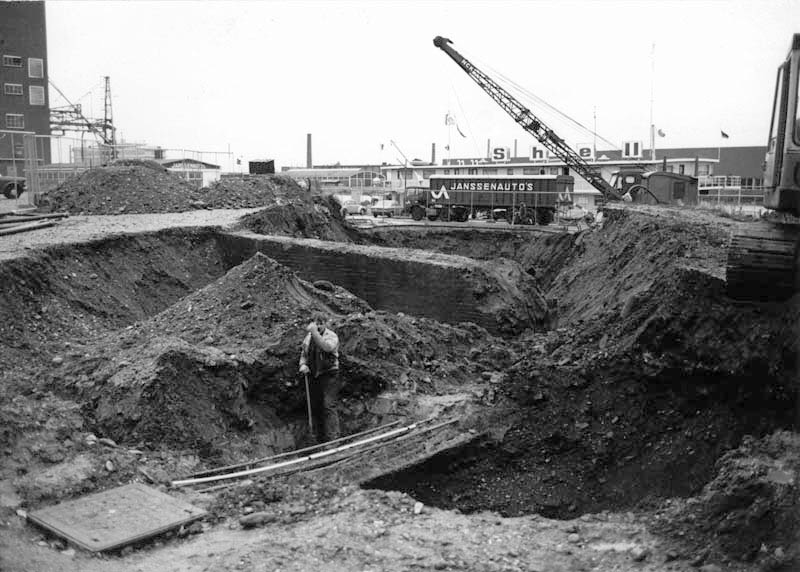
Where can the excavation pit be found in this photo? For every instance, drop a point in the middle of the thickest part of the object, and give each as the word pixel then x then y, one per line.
pixel 626 394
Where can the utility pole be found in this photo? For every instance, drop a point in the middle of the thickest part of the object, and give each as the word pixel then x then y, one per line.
pixel 109 132
pixel 405 170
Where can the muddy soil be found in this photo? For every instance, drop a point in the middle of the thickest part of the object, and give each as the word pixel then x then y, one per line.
pixel 649 378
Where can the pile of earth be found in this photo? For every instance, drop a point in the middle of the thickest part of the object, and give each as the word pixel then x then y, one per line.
pixel 652 377
pixel 224 359
pixel 127 188
pixel 749 512
pixel 302 216
pixel 253 191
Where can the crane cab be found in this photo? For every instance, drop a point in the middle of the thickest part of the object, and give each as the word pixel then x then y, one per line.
pixel 655 187
pixel 782 164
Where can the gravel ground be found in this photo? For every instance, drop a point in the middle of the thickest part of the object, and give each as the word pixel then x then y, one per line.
pixel 83 228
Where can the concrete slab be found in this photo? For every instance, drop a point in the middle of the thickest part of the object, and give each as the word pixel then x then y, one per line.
pixel 116 517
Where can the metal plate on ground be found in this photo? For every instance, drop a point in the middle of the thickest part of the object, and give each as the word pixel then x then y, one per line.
pixel 115 517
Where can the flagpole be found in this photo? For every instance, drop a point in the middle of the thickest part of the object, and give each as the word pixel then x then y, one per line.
pixel 652 89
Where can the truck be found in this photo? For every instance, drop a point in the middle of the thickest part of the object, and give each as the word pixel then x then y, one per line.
pixel 523 199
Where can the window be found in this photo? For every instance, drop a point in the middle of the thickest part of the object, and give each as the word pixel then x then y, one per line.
pixel 681 168
pixel 15 121
pixel 554 170
pixel 447 171
pixel 12 61
pixel 472 171
pixel 456 171
pixel 12 89
pixel 35 67
pixel 679 191
pixel 426 173
pixel 509 171
pixel 36 95
pixel 530 171
pixel 490 171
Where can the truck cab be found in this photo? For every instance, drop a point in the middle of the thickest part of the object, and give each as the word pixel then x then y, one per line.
pixel 655 187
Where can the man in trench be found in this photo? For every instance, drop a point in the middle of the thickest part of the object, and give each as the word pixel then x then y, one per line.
pixel 319 361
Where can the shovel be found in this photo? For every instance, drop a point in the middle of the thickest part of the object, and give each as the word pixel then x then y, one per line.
pixel 308 401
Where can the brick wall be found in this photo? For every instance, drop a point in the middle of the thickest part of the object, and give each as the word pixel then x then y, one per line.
pixel 446 288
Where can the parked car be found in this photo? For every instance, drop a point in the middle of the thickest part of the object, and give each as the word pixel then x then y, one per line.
pixel 388 205
pixel 352 208
pixel 12 187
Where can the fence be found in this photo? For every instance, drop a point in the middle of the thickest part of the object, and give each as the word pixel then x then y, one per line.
pixel 46 161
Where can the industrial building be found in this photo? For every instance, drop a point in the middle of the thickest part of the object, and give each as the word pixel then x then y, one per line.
pixel 24 103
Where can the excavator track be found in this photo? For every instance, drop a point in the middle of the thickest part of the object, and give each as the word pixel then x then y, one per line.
pixel 763 263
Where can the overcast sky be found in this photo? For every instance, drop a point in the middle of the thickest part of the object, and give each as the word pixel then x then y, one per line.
pixel 258 76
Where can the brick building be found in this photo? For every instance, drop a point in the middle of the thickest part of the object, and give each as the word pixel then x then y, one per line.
pixel 24 105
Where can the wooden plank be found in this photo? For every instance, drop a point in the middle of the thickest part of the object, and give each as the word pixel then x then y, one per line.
pixel 26 227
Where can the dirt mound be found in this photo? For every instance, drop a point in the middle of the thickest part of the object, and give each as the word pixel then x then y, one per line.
pixel 123 189
pixel 302 218
pixel 249 191
pixel 652 377
pixel 182 377
pixel 225 358
pixel 750 511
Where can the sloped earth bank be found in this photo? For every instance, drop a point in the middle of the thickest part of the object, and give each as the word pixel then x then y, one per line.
pixel 652 376
pixel 649 378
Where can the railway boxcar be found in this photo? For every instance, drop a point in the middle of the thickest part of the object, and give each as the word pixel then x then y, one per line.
pixel 525 199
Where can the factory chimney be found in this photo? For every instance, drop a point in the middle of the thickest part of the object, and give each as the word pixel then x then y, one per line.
pixel 433 153
pixel 309 163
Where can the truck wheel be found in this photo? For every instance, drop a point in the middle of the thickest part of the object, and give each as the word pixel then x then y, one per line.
pixel 362 211
pixel 375 214
pixel 417 212
pixel 433 217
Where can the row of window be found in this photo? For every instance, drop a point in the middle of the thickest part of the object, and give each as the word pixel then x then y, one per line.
pixel 35 65
pixel 35 92
pixel 15 121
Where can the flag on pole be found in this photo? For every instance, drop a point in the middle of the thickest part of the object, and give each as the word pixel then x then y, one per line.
pixel 449 119
pixel 661 133
pixel 723 134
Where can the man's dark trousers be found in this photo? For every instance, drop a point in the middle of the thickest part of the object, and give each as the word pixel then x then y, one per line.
pixel 324 391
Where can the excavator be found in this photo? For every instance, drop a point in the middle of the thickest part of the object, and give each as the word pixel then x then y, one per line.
pixel 762 258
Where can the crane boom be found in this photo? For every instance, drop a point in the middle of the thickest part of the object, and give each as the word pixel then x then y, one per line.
pixel 529 122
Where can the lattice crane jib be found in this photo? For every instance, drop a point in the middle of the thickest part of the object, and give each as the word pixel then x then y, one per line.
pixel 529 122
